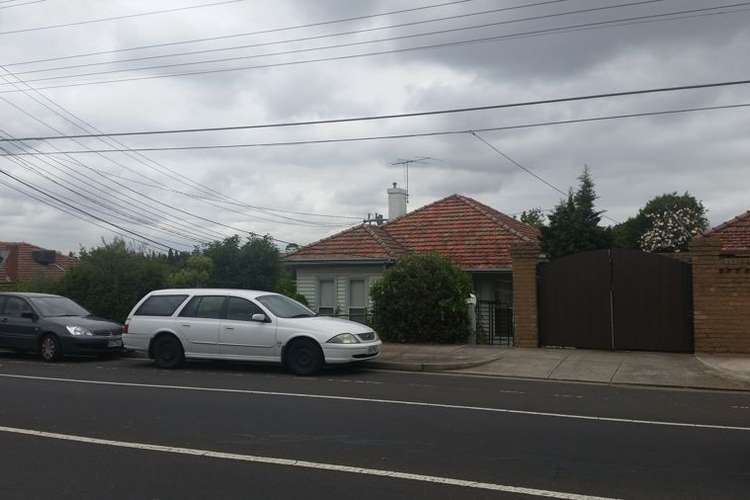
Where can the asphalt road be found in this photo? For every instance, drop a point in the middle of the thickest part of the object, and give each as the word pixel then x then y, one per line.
pixel 88 428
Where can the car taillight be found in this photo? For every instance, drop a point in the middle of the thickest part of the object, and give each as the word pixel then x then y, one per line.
pixel 125 328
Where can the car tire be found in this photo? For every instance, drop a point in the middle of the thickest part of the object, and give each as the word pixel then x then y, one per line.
pixel 304 357
pixel 168 352
pixel 50 348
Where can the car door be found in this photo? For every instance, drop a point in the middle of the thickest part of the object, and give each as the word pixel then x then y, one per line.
pixel 199 323
pixel 3 319
pixel 18 331
pixel 240 336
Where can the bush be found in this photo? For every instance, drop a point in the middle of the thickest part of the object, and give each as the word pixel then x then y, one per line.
pixel 422 299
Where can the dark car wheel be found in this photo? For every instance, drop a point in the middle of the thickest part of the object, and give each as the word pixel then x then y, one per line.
pixel 168 352
pixel 304 357
pixel 50 348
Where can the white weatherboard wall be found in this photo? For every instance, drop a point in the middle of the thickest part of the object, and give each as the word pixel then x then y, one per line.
pixel 309 277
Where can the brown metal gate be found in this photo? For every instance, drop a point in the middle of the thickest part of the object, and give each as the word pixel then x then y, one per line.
pixel 616 299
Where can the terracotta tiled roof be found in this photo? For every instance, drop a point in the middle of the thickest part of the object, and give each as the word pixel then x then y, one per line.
pixel 361 241
pixel 18 263
pixel 472 234
pixel 734 234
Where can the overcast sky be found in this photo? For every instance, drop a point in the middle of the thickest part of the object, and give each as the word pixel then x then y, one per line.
pixel 632 160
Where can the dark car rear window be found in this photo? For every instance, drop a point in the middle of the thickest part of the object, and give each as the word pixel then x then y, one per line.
pixel 160 305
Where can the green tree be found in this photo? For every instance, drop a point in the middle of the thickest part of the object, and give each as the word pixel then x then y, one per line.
pixel 112 278
pixel 195 272
pixel 254 263
pixel 534 217
pixel 662 208
pixel 422 298
pixel 574 224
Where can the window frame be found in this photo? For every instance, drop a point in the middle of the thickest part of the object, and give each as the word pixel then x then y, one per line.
pixel 363 310
pixel 334 301
pixel 177 307
pixel 222 313
pixel 226 317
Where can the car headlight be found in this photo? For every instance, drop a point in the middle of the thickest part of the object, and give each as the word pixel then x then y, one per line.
pixel 78 331
pixel 344 338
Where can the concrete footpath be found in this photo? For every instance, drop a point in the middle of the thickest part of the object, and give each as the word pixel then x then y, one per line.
pixel 640 368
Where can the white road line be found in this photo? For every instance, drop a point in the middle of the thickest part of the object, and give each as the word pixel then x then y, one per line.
pixel 380 401
pixel 286 462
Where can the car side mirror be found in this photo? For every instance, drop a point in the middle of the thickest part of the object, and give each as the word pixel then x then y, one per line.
pixel 30 315
pixel 261 318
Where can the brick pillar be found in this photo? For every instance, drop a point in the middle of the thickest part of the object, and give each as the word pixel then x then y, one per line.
pixel 525 255
pixel 705 253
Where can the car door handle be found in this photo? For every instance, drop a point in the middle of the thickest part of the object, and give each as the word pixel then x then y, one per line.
pixel 4 320
pixel 187 326
pixel 228 328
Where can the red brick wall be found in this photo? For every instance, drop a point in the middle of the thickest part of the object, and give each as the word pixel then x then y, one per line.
pixel 721 297
pixel 525 257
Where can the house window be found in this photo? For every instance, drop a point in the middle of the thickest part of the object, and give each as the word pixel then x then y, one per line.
pixel 357 301
pixel 327 298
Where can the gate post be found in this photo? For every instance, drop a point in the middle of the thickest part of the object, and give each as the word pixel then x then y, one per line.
pixel 525 257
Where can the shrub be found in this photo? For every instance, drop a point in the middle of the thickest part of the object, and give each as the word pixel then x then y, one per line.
pixel 422 298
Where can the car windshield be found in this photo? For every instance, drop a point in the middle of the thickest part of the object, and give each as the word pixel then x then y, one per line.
pixel 284 307
pixel 58 306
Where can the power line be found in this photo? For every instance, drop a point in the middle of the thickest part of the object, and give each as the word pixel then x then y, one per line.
pixel 557 100
pixel 528 34
pixel 259 32
pixel 115 18
pixel 122 213
pixel 364 42
pixel 401 136
pixel 346 33
pixel 76 208
pixel 527 170
pixel 138 192
pixel 146 161
pixel 73 214
pixel 19 4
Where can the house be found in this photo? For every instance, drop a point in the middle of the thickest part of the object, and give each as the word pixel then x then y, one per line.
pixel 20 261
pixel 335 274
pixel 733 234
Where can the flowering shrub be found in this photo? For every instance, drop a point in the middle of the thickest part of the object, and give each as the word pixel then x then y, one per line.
pixel 672 230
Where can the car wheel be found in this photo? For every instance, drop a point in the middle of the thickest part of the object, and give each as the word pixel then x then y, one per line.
pixel 168 352
pixel 304 357
pixel 50 348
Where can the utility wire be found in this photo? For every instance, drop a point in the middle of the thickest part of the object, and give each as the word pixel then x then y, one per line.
pixel 537 102
pixel 76 208
pixel 115 18
pixel 346 33
pixel 528 170
pixel 143 159
pixel 664 17
pixel 400 136
pixel 74 214
pixel 171 207
pixel 184 227
pixel 19 4
pixel 250 33
pixel 118 210
pixel 344 45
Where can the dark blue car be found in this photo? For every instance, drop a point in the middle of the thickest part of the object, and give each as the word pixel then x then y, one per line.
pixel 53 326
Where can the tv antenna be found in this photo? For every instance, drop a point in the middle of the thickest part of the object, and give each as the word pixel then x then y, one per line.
pixel 408 161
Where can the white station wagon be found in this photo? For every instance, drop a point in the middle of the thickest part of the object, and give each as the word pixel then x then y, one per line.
pixel 248 325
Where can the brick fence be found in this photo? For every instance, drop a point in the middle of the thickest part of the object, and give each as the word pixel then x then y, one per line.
pixel 525 255
pixel 721 297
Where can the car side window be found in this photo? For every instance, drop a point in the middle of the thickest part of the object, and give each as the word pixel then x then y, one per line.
pixel 2 305
pixel 241 310
pixel 15 306
pixel 209 306
pixel 160 305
